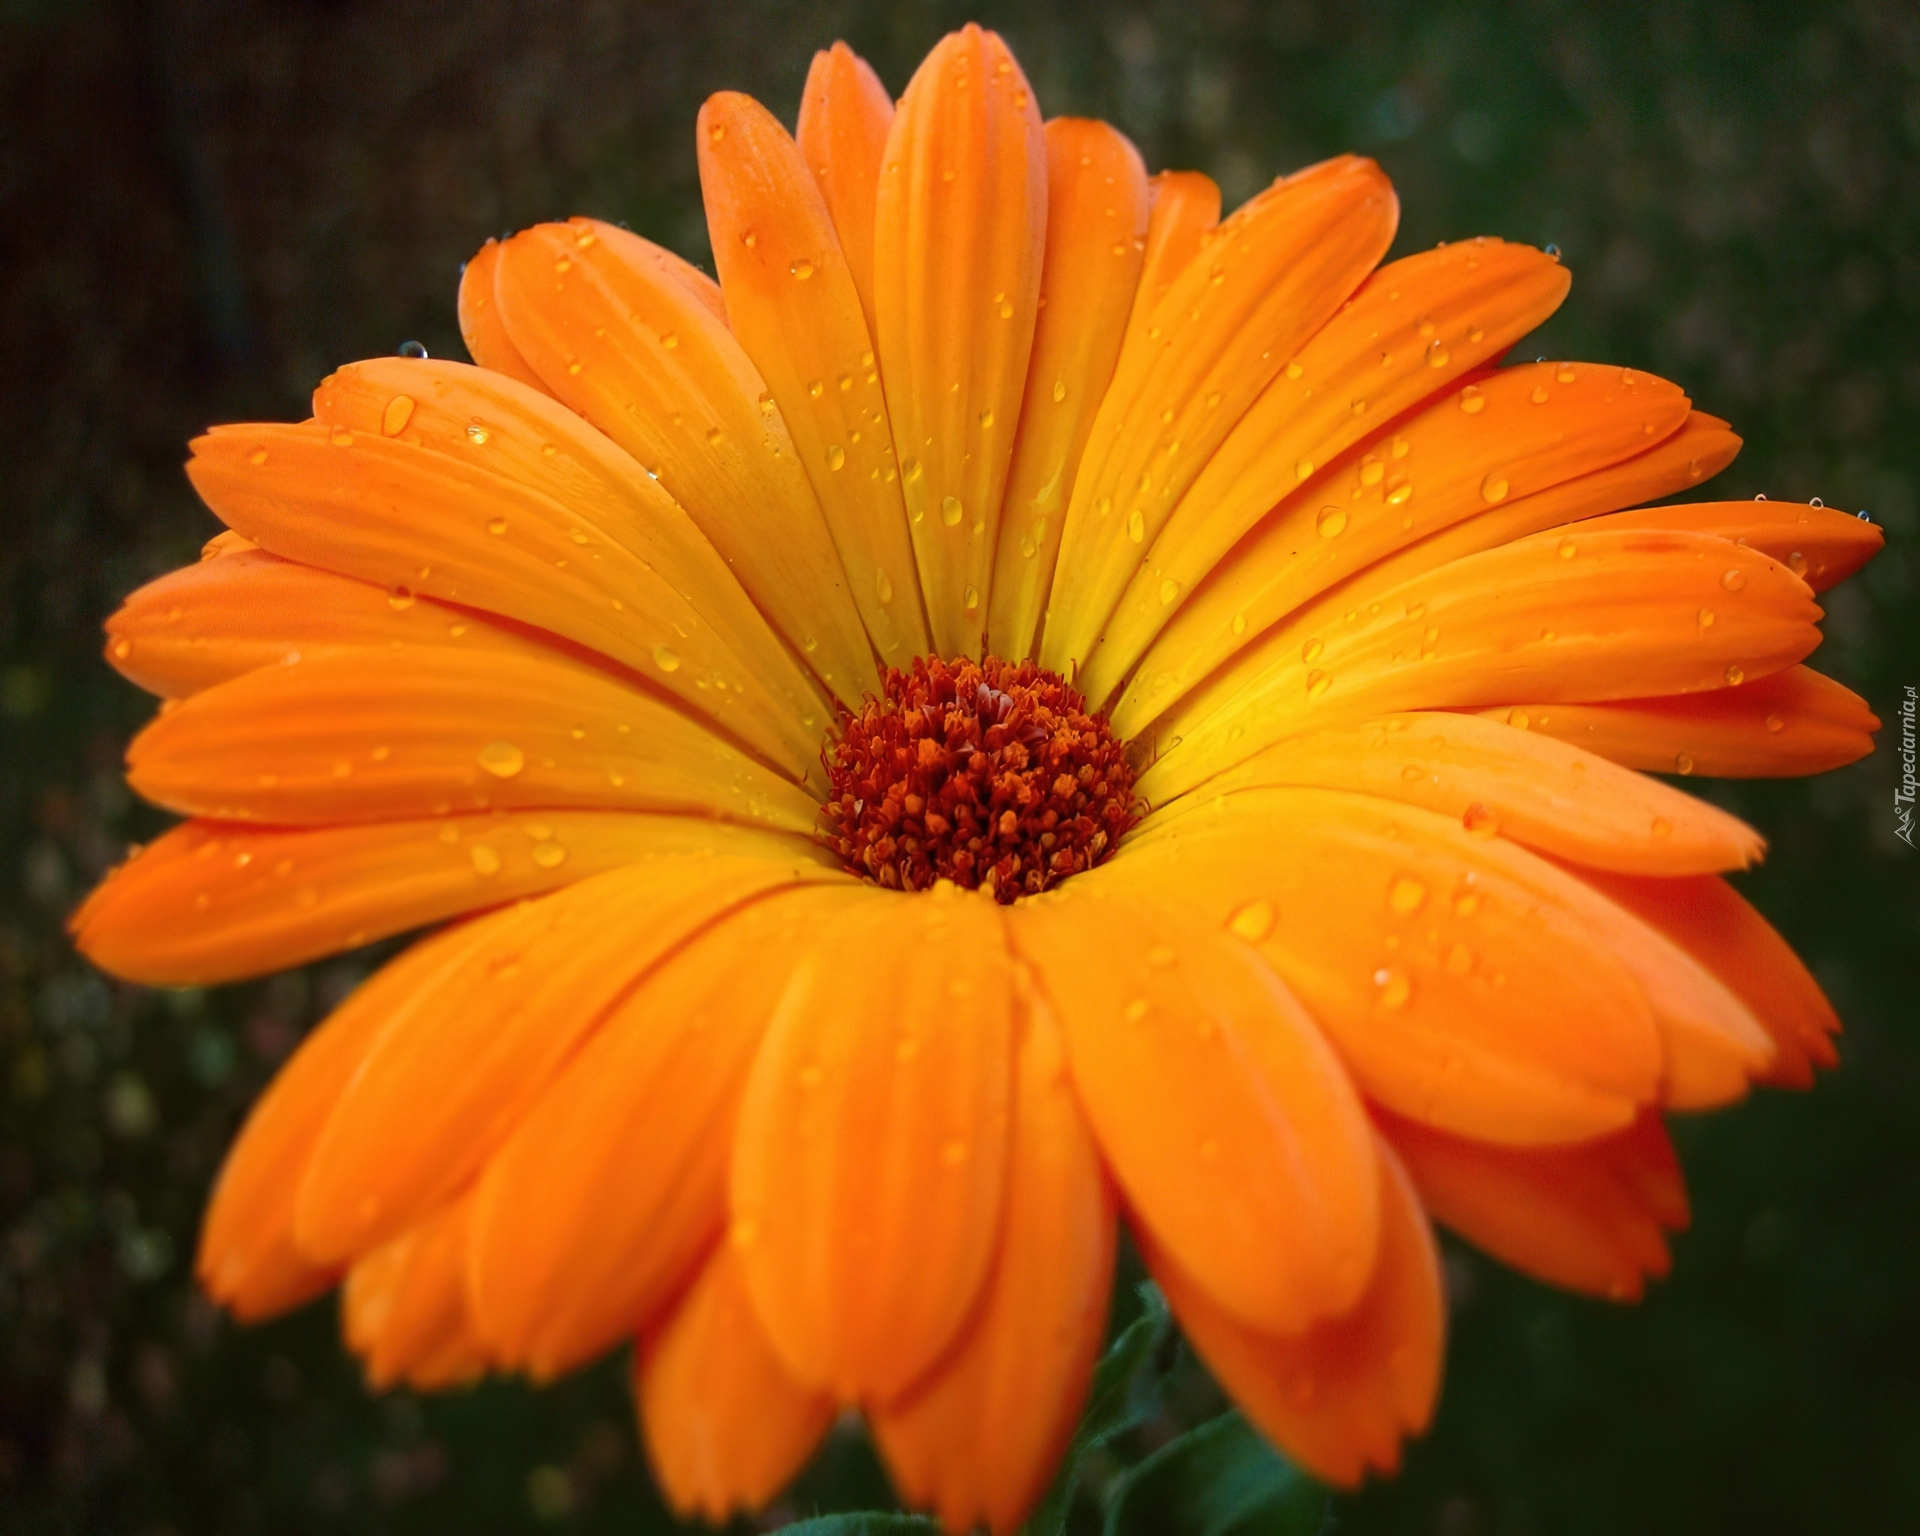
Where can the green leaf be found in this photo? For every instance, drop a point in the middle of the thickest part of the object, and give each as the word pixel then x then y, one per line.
pixel 863 1524
pixel 1221 1479
pixel 1124 1396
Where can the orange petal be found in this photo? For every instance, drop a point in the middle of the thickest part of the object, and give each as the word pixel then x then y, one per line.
pixel 579 542
pixel 1339 1398
pixel 1708 919
pixel 809 340
pixel 958 239
pixel 1701 448
pixel 1537 791
pixel 981 1440
pixel 622 340
pixel 404 1307
pixel 1794 722
pixel 1821 546
pixel 1591 1218
pixel 214 901
pixel 351 738
pixel 1414 327
pixel 845 113
pixel 1711 1045
pixel 480 325
pixel 1563 617
pixel 454 1071
pixel 1096 229
pixel 1184 207
pixel 206 623
pixel 1445 967
pixel 1222 1111
pixel 613 1187
pixel 726 1426
pixel 1268 279
pixel 1532 432
pixel 247 1259
pixel 871 1155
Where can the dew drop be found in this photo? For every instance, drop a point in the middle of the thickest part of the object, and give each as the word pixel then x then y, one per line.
pixel 399 411
pixel 1662 827
pixel 502 759
pixel 1406 895
pixel 1135 1011
pixel 257 457
pixel 951 511
pixel 1568 549
pixel 1332 522
pixel 1479 820
pixel 1239 624
pixel 1472 401
pixel 1394 987
pixel 496 526
pixel 1438 356
pixel 342 438
pixel 802 269
pixel 1294 370
pixel 400 599
pixel 1733 581
pixel 1539 395
pixel 1494 487
pixel 1735 677
pixel 1136 525
pixel 1705 617
pixel 1797 563
pixel 485 860
pixel 666 659
pixel 910 471
pixel 1775 723
pixel 972 598
pixel 1253 921
pixel 549 855
pixel 1310 652
pixel 882 586
pixel 1303 469
pixel 1682 763
pixel 836 456
pixel 1169 591
pixel 1103 505
pixel 1317 683
pixel 478 435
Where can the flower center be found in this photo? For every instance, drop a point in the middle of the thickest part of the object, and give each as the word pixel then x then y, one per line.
pixel 989 774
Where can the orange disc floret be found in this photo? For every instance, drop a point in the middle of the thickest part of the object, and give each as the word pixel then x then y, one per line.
pixel 990 774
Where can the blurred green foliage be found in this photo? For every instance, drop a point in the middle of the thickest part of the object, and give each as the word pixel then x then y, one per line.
pixel 205 206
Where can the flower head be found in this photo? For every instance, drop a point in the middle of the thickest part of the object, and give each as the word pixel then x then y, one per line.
pixel 1024 703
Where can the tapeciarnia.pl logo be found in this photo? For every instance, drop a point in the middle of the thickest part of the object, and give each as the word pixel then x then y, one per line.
pixel 1904 791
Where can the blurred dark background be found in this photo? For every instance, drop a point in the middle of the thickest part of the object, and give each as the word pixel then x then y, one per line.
pixel 204 207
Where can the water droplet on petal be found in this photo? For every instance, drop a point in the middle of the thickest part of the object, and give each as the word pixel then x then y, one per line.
pixel 1438 356
pixel 951 511
pixel 496 526
pixel 502 759
pixel 1332 522
pixel 1518 719
pixel 1059 391
pixel 1169 590
pixel 1775 723
pixel 478 435
pixel 1705 617
pixel 1472 401
pixel 549 855
pixel 1405 895
pixel 1479 820
pixel 1253 921
pixel 400 599
pixel 882 587
pixel 1682 763
pixel 485 860
pixel 836 456
pixel 1135 1011
pixel 1662 827
pixel 1494 487
pixel 1239 623
pixel 1394 987
pixel 1136 525
pixel 1568 549
pixel 1317 683
pixel 1735 676
pixel 666 659
pixel 1310 652
pixel 802 269
pixel 1733 581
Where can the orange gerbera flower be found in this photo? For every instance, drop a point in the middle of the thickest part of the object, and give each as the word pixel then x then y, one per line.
pixel 1023 703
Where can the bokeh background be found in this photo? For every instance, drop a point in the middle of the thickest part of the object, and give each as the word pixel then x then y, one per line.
pixel 204 207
